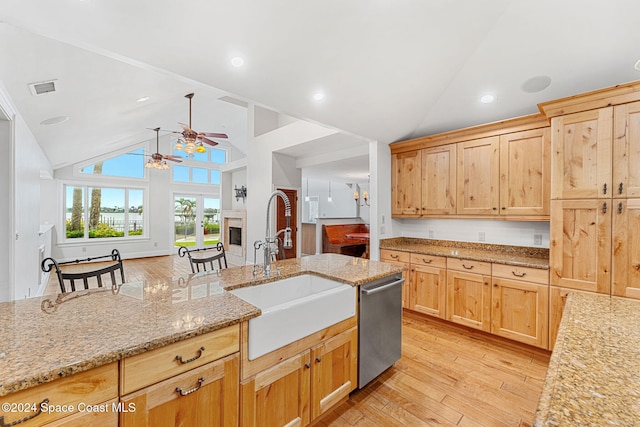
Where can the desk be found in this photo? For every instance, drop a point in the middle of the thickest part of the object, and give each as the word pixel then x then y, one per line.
pixel 363 238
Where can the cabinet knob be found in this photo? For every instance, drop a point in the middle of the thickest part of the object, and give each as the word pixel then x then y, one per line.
pixel 620 187
pixel 494 208
pixel 306 365
pixel 604 208
pixel 619 208
pixel 604 188
pixel 495 285
pixel 318 359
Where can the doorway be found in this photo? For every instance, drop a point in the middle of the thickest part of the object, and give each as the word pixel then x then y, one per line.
pixel 196 220
pixel 281 222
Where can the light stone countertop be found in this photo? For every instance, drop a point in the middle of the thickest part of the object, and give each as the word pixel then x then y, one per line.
pixel 503 254
pixel 594 373
pixel 45 338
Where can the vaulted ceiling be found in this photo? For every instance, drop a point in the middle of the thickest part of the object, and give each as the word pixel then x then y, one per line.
pixel 389 70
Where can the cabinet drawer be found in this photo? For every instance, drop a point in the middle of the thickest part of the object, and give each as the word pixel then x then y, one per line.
pixel 527 274
pixel 89 388
pixel 156 365
pixel 398 256
pixel 430 260
pixel 469 266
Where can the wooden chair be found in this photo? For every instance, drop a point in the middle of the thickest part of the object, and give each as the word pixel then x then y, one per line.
pixel 87 277
pixel 198 262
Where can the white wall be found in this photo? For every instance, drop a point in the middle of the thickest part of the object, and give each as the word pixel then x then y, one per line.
pixel 516 233
pixel 6 220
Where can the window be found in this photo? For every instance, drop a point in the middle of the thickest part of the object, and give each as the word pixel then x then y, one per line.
pixel 202 168
pixel 129 165
pixel 100 212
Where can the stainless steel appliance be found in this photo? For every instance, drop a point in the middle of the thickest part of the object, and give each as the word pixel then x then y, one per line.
pixel 379 327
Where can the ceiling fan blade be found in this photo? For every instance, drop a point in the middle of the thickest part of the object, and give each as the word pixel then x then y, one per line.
pixel 185 127
pixel 172 159
pixel 214 135
pixel 207 141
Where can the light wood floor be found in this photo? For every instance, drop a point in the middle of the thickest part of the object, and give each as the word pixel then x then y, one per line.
pixel 447 376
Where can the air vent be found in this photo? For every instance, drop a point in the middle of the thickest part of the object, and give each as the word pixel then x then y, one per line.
pixel 41 88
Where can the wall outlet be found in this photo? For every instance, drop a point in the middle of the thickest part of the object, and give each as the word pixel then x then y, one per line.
pixel 431 234
pixel 84 249
pixel 482 236
pixel 382 231
pixel 537 239
pixel 155 244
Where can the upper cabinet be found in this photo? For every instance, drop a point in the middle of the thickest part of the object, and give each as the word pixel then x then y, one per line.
pixel 498 170
pixel 582 154
pixel 405 181
pixel 626 150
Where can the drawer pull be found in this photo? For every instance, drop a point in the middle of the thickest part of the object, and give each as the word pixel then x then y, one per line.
pixel 620 188
pixel 394 256
pixel 468 268
pixel 191 390
pixel 27 418
pixel 196 357
pixel 427 261
pixel 519 275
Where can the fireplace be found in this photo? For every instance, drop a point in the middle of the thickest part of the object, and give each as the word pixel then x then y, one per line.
pixel 235 236
pixel 234 223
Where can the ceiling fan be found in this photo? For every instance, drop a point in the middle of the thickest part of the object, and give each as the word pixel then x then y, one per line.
pixel 192 140
pixel 158 160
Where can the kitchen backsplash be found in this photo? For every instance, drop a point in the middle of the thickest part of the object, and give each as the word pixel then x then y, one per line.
pixel 516 233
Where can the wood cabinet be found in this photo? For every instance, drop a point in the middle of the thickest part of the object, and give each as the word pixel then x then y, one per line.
pixel 525 168
pixel 498 170
pixel 334 371
pixel 406 177
pixel 520 304
pixel 469 294
pixel 402 259
pixel 626 248
pixel 478 177
pixel 190 382
pixel 301 388
pixel 207 395
pixel 626 151
pixel 439 180
pixel 580 244
pixel 582 150
pixel 428 285
pixel 98 386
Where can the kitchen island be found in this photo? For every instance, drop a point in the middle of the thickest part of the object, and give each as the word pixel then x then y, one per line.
pixel 594 377
pixel 48 338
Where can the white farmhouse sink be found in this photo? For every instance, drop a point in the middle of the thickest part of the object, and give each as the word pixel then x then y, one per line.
pixel 294 308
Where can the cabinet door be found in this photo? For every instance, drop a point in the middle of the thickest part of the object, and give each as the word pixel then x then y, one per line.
pixel 469 299
pixel 525 168
pixel 580 246
pixel 520 310
pixel 278 396
pixel 581 155
pixel 478 176
pixel 557 301
pixel 626 150
pixel 207 395
pixel 626 248
pixel 428 290
pixel 439 180
pixel 405 183
pixel 334 372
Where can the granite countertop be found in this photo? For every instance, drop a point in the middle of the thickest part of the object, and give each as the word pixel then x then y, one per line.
pixel 594 377
pixel 511 255
pixel 45 338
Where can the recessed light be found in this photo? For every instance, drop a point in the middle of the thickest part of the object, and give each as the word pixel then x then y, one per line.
pixel 318 96
pixel 237 61
pixel 487 99
pixel 637 66
pixel 54 120
pixel 143 99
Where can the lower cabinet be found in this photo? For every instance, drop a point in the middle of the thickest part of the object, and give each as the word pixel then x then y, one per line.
pixel 402 259
pixel 207 395
pixel 469 299
pixel 301 388
pixel 428 285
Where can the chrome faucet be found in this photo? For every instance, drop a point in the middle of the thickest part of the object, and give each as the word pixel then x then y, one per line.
pixel 269 240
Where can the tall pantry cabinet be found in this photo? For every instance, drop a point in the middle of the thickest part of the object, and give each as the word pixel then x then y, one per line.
pixel 595 191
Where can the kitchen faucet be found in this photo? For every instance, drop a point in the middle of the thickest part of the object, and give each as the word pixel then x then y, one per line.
pixel 270 240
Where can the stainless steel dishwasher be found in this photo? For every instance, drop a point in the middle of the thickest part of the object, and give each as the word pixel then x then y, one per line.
pixel 379 327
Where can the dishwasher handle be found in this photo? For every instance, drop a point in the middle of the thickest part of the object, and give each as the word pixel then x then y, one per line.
pixel 381 288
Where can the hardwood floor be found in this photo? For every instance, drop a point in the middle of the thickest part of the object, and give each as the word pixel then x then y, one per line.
pixel 447 376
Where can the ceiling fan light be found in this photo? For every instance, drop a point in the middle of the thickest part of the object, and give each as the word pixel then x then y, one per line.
pixel 178 146
pixel 200 149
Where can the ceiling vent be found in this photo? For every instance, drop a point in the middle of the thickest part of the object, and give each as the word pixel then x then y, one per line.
pixel 41 88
